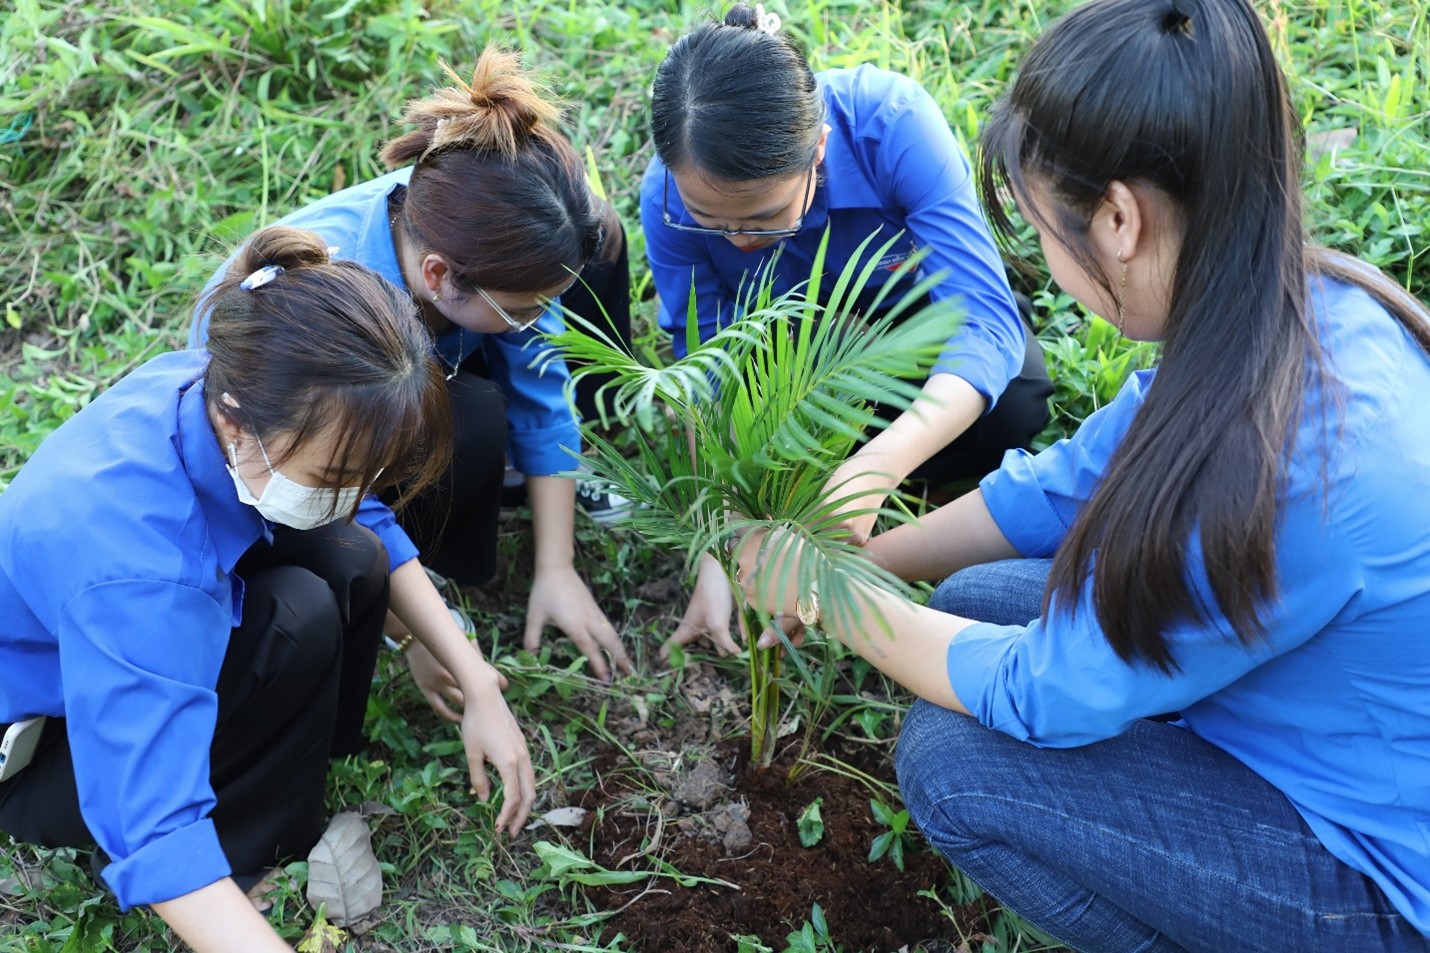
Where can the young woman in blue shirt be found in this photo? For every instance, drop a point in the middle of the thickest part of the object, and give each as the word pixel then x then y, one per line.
pixel 1195 714
pixel 756 158
pixel 489 222
pixel 187 599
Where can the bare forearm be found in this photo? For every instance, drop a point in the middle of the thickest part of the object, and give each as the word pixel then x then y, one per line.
pixel 220 919
pixel 951 538
pixel 419 606
pixel 906 642
pixel 553 520
pixel 946 408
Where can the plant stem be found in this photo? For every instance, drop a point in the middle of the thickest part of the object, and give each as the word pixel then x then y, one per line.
pixel 765 665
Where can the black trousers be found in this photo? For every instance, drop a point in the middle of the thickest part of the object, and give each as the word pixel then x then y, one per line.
pixel 454 522
pixel 1020 415
pixel 603 297
pixel 292 692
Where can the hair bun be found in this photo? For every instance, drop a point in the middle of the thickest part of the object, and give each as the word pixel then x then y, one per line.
pixel 744 16
pixel 498 111
pixel 280 245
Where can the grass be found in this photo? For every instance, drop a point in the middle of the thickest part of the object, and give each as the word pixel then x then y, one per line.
pixel 134 148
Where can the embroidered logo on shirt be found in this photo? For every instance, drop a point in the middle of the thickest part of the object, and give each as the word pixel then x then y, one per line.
pixel 894 259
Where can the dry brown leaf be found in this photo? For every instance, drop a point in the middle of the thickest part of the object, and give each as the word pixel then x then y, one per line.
pixel 343 874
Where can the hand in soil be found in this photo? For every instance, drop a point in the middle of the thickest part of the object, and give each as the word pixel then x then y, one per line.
pixel 258 894
pixel 708 615
pixel 559 597
pixel 490 734
pixel 435 682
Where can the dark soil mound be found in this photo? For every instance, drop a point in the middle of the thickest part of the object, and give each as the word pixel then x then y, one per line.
pixel 868 907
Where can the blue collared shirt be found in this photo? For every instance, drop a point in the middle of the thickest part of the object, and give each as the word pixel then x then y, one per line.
pixel 118 541
pixel 541 424
pixel 1332 706
pixel 891 164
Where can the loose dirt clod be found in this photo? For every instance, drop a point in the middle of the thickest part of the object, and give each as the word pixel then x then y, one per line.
pixel 732 823
pixel 706 784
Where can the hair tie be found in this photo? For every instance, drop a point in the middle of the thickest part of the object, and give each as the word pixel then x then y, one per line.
pixel 1177 20
pixel 436 143
pixel 766 22
pixel 261 277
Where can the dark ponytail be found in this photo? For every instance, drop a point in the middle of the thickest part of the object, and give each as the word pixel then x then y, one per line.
pixel 1186 97
pixel 497 191
pixel 736 102
pixel 314 346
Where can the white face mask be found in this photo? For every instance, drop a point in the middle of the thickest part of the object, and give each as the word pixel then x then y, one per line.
pixel 293 504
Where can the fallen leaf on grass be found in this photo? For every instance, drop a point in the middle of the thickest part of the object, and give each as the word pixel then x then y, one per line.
pixel 560 817
pixel 26 880
pixel 343 875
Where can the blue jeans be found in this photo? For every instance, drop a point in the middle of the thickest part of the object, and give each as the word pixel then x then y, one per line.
pixel 1151 841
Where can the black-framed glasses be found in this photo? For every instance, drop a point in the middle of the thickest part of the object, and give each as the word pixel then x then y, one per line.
pixel 732 232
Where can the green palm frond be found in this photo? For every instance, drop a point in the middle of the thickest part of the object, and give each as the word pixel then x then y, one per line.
pixel 772 404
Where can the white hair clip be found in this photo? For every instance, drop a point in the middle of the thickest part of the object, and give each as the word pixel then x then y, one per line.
pixel 766 22
pixel 261 277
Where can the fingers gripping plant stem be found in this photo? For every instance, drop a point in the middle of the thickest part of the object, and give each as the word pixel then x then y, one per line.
pixel 744 431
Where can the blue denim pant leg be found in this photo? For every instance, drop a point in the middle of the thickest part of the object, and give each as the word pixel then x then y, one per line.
pixel 1154 841
pixel 1009 592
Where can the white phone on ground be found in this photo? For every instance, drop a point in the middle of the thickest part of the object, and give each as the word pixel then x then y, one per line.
pixel 18 745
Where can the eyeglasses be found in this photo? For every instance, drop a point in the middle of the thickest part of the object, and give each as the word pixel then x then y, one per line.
pixel 511 322
pixel 732 232
pixel 543 301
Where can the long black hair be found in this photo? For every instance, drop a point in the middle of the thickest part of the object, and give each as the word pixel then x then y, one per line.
pixel 736 102
pixel 1184 96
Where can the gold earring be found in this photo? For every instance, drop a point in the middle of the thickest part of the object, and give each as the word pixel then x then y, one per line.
pixel 1121 292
